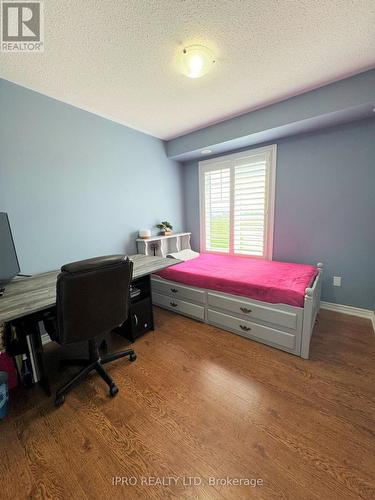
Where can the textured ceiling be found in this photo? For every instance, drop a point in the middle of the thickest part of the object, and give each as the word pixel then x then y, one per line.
pixel 117 58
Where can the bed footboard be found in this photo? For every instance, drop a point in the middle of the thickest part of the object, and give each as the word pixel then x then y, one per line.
pixel 310 311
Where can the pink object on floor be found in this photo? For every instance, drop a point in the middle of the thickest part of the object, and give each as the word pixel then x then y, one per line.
pixel 7 365
pixel 265 280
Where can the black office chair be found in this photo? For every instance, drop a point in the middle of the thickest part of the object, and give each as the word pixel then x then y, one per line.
pixel 92 299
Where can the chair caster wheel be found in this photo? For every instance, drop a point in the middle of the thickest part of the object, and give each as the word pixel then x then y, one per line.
pixel 59 400
pixel 132 357
pixel 113 390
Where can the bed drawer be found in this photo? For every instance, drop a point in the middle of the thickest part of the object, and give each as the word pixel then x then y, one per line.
pixel 178 291
pixel 254 311
pixel 179 306
pixel 252 330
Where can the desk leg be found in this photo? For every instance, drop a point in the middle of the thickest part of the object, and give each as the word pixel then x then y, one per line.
pixel 152 326
pixel 34 328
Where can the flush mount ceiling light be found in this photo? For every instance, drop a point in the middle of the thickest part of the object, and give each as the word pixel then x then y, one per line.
pixel 196 61
pixel 206 151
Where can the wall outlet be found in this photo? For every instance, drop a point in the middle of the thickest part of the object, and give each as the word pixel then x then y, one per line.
pixel 337 281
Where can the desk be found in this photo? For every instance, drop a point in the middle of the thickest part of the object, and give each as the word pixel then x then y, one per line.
pixel 25 298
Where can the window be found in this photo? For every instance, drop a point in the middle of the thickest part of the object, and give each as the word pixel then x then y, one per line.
pixel 237 195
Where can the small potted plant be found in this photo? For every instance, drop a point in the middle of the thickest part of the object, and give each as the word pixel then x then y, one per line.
pixel 165 228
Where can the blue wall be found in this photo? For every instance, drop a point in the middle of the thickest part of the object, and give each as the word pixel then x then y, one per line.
pixel 76 185
pixel 325 207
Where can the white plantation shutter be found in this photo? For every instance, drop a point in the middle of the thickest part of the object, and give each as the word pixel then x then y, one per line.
pixel 217 209
pixel 237 203
pixel 249 191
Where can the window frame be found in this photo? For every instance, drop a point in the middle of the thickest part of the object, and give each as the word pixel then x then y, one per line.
pixel 228 161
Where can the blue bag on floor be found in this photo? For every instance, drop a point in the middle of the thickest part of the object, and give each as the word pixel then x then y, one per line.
pixel 4 394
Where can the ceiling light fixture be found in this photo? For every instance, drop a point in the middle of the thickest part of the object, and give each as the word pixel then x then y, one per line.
pixel 196 61
pixel 206 151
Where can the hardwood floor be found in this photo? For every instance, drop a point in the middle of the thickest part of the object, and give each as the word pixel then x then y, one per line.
pixel 202 403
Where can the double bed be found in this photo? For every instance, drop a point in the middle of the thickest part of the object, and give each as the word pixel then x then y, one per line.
pixel 268 301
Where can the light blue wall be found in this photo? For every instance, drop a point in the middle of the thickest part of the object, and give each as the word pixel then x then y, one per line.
pixel 76 185
pixel 325 207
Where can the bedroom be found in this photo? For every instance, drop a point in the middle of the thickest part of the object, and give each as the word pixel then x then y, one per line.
pixel 104 134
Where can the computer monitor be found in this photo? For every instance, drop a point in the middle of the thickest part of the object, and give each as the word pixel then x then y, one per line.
pixel 9 266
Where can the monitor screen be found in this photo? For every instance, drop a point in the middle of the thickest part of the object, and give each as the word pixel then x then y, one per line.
pixel 9 266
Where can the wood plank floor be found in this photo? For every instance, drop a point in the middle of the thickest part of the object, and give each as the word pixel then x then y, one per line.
pixel 202 403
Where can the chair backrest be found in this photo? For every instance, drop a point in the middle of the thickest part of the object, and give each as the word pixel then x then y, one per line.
pixel 92 297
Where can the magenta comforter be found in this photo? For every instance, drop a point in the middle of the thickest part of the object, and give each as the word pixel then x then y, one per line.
pixel 268 281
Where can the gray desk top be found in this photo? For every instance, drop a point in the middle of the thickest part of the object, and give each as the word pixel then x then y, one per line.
pixel 28 295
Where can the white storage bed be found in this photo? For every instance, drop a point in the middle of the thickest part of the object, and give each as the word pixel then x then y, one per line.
pixel 282 326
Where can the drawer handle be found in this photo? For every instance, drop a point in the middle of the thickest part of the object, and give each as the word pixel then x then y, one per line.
pixel 174 290
pixel 245 328
pixel 245 310
pixel 173 304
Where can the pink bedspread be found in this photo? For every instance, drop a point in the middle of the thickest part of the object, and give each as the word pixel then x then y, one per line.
pixel 268 281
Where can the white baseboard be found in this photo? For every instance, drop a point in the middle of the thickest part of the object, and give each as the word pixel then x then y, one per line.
pixel 353 311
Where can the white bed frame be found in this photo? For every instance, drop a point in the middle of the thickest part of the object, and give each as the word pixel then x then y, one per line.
pixel 282 326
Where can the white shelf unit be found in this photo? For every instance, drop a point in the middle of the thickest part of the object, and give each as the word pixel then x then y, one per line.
pixel 161 246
